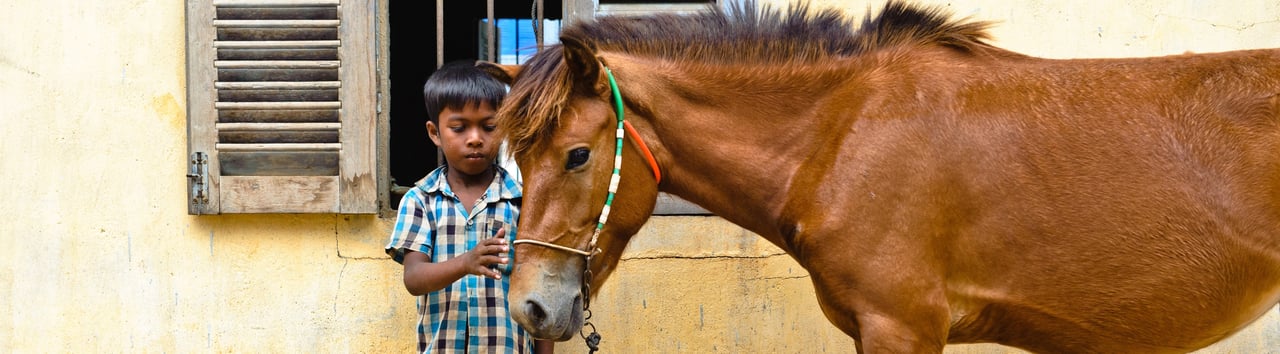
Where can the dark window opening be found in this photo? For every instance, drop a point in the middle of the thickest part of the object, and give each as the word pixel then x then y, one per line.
pixel 413 59
pixel 604 2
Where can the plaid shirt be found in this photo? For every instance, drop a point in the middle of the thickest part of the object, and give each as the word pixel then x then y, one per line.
pixel 471 314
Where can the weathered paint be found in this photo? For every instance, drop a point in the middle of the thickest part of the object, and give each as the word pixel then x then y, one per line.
pixel 98 253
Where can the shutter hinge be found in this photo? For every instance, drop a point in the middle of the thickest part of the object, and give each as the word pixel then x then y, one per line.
pixel 198 178
pixel 378 90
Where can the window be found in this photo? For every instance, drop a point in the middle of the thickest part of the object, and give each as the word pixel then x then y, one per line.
pixel 281 106
pixel 425 35
pixel 583 8
pixel 286 98
pixel 517 39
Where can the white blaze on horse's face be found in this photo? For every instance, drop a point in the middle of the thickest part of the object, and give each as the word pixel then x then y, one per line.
pixel 565 184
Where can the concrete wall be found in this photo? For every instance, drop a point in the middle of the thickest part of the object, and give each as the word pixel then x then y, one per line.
pixel 98 253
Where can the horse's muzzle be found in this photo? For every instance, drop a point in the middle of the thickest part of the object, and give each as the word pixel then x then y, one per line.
pixel 555 321
pixel 547 304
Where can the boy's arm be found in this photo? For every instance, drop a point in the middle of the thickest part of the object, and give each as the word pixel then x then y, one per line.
pixel 543 346
pixel 421 276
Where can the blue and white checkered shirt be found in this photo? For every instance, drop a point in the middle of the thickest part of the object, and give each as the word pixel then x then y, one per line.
pixel 471 314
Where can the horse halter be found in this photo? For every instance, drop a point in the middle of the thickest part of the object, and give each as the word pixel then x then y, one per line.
pixel 593 339
pixel 623 125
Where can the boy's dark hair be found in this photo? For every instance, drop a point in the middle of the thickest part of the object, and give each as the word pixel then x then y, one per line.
pixel 459 84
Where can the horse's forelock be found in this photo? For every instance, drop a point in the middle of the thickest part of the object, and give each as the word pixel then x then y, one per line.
pixel 536 101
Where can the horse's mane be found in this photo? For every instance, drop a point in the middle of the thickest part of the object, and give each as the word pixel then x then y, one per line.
pixel 745 33
pixel 739 34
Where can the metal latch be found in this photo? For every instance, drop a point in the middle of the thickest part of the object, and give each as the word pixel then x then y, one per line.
pixel 198 176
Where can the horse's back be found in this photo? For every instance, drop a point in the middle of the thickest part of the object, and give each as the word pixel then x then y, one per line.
pixel 1132 201
pixel 1149 191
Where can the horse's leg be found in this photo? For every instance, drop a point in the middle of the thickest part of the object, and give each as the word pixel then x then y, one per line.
pixel 889 322
pixel 890 303
pixel 884 334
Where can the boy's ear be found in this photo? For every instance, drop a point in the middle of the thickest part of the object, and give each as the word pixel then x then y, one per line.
pixel 505 73
pixel 433 132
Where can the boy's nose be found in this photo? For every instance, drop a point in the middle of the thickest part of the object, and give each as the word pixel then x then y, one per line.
pixel 475 138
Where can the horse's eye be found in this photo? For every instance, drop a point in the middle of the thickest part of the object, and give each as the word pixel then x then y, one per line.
pixel 577 157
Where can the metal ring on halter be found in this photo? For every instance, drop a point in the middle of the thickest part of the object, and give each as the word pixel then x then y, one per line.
pixel 582 332
pixel 593 339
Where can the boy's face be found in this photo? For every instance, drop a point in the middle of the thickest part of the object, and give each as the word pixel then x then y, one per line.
pixel 466 137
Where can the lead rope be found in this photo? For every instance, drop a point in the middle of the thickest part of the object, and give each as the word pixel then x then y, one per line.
pixel 593 339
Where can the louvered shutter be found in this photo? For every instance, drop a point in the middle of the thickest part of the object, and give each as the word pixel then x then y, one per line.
pixel 281 106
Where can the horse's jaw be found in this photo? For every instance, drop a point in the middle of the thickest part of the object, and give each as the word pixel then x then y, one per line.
pixel 547 304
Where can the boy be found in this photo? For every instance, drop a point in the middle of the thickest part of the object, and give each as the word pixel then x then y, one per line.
pixel 452 230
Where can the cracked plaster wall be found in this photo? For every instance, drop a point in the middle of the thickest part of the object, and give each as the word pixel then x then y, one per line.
pixel 98 253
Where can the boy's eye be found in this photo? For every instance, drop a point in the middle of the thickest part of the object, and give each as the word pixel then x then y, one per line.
pixel 458 129
pixel 490 128
pixel 577 157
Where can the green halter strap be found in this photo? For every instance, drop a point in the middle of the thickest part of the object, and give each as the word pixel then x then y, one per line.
pixel 617 161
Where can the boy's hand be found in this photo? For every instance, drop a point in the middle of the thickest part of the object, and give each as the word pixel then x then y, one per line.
pixel 479 260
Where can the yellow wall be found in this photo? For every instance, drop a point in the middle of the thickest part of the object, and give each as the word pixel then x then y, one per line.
pixel 97 252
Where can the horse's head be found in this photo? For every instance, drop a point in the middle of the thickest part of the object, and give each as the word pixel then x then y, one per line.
pixel 560 121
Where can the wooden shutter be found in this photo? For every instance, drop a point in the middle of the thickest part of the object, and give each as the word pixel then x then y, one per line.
pixel 281 106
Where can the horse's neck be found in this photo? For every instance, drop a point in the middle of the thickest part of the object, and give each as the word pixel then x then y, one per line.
pixel 735 141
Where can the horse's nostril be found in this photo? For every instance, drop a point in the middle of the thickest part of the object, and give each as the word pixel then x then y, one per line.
pixel 534 312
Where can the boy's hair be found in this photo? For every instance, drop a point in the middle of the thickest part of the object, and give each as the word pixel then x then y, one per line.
pixel 459 84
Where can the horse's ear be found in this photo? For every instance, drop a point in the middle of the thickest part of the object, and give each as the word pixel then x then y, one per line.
pixel 580 57
pixel 505 73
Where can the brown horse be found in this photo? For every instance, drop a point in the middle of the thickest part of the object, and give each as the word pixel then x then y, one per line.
pixel 936 188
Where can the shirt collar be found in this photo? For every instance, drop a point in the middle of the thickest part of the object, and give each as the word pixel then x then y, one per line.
pixel 502 187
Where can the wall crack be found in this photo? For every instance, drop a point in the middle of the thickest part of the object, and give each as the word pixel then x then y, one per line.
pixel 338 291
pixel 771 255
pixel 337 246
pixel 789 277
pixel 1240 28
